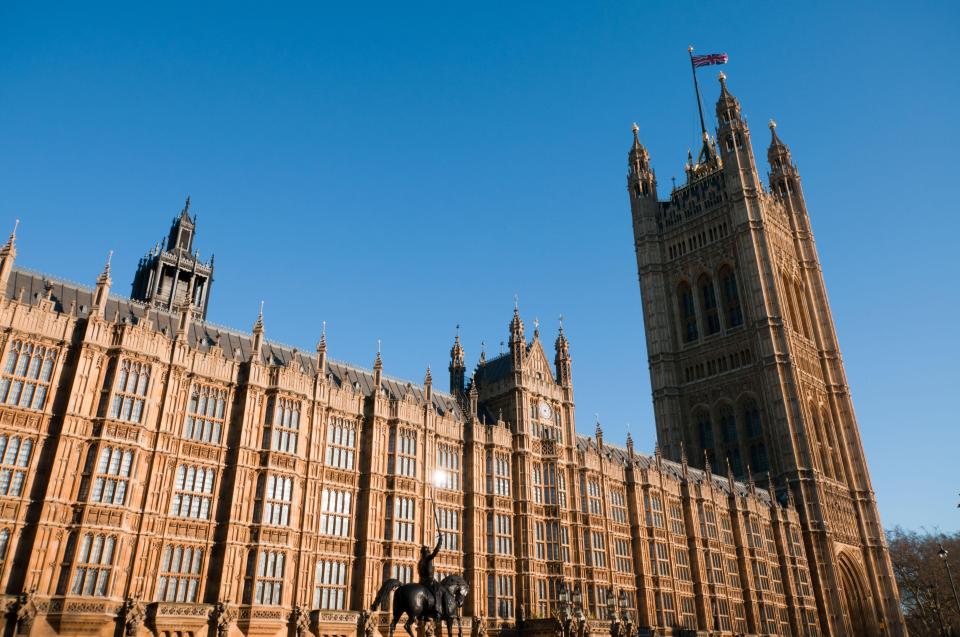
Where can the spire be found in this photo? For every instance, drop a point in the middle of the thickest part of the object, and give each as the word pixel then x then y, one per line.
pixel 684 466
pixel 322 353
pixel 730 478
pixel 428 386
pixel 641 180
pixel 7 256
pixel 377 368
pixel 727 105
pixel 598 431
pixel 518 343
pixel 629 443
pixel 185 213
pixel 657 456
pixel 784 178
pixel 562 360
pixel 706 465
pixel 458 365
pixel 257 336
pixel 102 291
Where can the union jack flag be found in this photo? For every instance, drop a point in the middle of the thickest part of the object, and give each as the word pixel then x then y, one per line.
pixel 708 59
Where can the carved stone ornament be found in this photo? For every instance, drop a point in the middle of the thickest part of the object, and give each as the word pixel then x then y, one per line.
pixel 26 612
pixel 367 626
pixel 133 614
pixel 478 628
pixel 301 621
pixel 223 616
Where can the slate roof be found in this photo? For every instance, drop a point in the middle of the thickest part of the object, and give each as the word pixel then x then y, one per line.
pixel 235 344
pixel 674 469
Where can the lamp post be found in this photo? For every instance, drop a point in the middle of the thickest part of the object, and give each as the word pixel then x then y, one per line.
pixel 578 609
pixel 563 593
pixel 613 614
pixel 625 613
pixel 943 556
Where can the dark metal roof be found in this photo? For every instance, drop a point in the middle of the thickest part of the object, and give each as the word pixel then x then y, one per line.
pixel 674 469
pixel 75 298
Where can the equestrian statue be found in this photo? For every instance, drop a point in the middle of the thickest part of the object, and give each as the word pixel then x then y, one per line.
pixel 427 599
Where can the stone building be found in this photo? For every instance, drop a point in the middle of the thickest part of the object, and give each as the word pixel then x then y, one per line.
pixel 162 475
pixel 744 360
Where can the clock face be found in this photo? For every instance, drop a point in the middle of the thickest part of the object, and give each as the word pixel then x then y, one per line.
pixel 545 412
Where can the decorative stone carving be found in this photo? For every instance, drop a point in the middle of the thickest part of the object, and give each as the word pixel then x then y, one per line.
pixel 223 616
pixel 26 612
pixel 301 621
pixel 133 615
pixel 478 629
pixel 366 625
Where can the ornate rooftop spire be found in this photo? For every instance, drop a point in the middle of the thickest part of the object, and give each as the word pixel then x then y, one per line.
pixel 458 365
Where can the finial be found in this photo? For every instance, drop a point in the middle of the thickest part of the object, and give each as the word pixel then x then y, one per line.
pixel 516 303
pixel 690 49
pixel 722 76
pixel 428 379
pixel 683 454
pixel 561 322
pixel 636 129
pixel 186 205
pixel 258 326
pixel 323 329
pixel 536 327
pixel 109 259
pixel 458 332
pixel 13 235
pixel 772 124
pixel 378 346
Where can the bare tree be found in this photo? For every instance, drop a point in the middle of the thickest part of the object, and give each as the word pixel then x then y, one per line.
pixel 926 594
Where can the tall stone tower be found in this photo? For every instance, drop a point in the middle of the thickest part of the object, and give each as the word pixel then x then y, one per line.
pixel 744 361
pixel 171 275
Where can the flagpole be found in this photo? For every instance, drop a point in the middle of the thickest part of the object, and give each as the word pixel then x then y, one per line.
pixel 696 88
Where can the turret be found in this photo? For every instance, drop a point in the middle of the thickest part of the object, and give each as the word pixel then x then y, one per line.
pixel 734 136
pixel 257 336
pixel 458 367
pixel 322 354
pixel 377 370
pixel 784 177
pixel 642 186
pixel 7 255
pixel 428 387
pixel 562 359
pixel 102 291
pixel 518 342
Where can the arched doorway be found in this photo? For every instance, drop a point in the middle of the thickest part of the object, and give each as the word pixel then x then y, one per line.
pixel 854 598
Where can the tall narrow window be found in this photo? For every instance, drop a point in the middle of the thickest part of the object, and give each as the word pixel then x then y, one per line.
pixel 404 514
pixel 335 512
pixel 180 571
pixel 193 492
pixel 688 312
pixel 113 476
pixel 4 542
pixel 25 380
pixel 704 430
pixel 284 421
pixel 708 297
pixel 618 506
pixel 498 474
pixel 624 559
pixel 206 413
pixel 330 585
pixel 448 467
pixel 802 308
pixel 277 496
pixel 270 569
pixel 731 297
pixel 14 460
pixel 403 446
pixel 449 520
pixel 130 393
pixel 94 565
pixel 341 442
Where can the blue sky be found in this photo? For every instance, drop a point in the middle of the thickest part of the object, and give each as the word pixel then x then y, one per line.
pixel 397 169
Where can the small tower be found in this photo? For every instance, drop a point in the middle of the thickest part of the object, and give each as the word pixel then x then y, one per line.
pixel 173 275
pixel 735 148
pixel 458 367
pixel 258 336
pixel 102 291
pixel 784 176
pixel 562 359
pixel 518 342
pixel 7 256
pixel 322 354
pixel 428 387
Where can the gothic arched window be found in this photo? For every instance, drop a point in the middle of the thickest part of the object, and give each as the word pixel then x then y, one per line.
pixel 688 313
pixel 704 429
pixel 709 298
pixel 731 297
pixel 753 426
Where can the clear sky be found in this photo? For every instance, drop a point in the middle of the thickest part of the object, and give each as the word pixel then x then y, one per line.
pixel 396 169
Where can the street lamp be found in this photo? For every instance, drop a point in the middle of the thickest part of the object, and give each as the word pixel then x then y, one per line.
pixel 563 594
pixel 612 613
pixel 625 613
pixel 943 556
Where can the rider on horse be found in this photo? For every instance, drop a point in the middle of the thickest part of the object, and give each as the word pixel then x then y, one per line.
pixel 427 572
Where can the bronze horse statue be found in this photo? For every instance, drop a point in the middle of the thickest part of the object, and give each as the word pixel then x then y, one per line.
pixel 419 603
